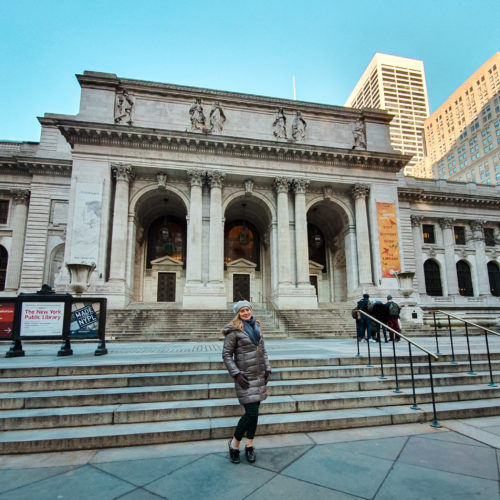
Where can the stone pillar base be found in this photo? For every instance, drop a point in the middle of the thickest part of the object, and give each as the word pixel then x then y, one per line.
pixel 411 313
pixel 292 297
pixel 199 296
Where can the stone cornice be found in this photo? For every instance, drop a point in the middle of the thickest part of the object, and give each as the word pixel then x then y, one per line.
pixel 98 134
pixel 110 81
pixel 440 198
pixel 35 166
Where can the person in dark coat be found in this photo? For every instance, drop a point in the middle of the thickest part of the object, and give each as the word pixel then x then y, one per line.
pixel 381 313
pixel 245 357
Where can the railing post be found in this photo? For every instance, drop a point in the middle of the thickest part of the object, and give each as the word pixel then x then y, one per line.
pixel 471 372
pixel 369 365
pixel 382 377
pixel 451 342
pixel 397 390
pixel 491 384
pixel 435 423
pixel 415 406
pixel 436 333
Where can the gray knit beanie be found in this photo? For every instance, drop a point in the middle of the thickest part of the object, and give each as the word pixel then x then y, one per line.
pixel 240 304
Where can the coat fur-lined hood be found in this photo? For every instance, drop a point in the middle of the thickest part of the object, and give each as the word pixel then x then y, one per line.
pixel 235 324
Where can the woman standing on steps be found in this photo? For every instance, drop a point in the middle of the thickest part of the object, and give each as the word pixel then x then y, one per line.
pixel 245 357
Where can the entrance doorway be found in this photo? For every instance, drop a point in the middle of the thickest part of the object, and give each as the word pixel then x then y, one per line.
pixel 241 287
pixel 313 279
pixel 166 287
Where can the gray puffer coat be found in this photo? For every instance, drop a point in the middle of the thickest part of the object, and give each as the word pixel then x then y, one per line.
pixel 240 354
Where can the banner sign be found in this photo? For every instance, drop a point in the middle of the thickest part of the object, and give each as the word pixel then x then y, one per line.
pixel 84 319
pixel 388 239
pixel 7 319
pixel 42 318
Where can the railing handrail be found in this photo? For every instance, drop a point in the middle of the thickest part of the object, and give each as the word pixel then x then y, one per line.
pixel 399 334
pixel 464 321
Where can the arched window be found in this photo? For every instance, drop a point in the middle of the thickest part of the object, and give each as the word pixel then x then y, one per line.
pixel 494 276
pixel 3 266
pixel 241 241
pixel 464 279
pixel 432 278
pixel 167 236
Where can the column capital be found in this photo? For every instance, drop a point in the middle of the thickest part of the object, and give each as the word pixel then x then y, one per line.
pixel 446 222
pixel 215 178
pixel 161 179
pixel 300 185
pixel 282 184
pixel 20 196
pixel 477 225
pixel 360 191
pixel 122 171
pixel 195 176
pixel 416 220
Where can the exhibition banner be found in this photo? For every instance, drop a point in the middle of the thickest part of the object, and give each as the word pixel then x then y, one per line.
pixel 388 239
pixel 7 319
pixel 85 319
pixel 42 318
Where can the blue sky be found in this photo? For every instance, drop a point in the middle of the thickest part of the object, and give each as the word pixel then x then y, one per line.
pixel 243 46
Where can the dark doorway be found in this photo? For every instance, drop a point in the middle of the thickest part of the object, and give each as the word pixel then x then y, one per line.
pixel 166 287
pixel 241 287
pixel 432 278
pixel 494 276
pixel 464 279
pixel 313 279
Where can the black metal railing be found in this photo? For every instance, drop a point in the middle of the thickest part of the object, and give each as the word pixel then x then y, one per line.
pixel 467 325
pixel 393 335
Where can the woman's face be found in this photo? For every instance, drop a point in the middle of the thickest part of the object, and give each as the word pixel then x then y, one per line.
pixel 245 313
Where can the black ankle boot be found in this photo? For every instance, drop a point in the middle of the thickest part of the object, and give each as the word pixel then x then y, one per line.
pixel 250 454
pixel 234 455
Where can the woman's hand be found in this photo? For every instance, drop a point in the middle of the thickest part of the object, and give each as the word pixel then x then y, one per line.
pixel 266 376
pixel 242 381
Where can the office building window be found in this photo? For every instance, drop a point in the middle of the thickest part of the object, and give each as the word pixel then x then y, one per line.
pixel 428 233
pixel 4 211
pixel 489 237
pixel 459 235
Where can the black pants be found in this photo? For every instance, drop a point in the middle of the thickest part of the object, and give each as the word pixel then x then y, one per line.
pixel 248 422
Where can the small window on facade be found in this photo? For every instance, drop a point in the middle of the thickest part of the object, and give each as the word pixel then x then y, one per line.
pixel 4 211
pixel 428 232
pixel 489 237
pixel 459 235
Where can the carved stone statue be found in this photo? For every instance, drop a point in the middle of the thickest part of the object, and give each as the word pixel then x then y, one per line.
pixel 217 118
pixel 124 106
pixel 299 127
pixel 359 135
pixel 279 125
pixel 197 116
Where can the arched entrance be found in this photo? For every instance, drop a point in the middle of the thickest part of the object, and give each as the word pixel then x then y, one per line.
pixel 326 225
pixel 160 249
pixel 247 259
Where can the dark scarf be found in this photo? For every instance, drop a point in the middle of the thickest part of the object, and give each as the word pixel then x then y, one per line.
pixel 252 329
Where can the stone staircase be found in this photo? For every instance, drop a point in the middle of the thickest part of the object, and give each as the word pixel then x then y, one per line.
pixel 85 405
pixel 167 325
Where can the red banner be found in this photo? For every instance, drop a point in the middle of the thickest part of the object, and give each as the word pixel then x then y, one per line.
pixel 6 320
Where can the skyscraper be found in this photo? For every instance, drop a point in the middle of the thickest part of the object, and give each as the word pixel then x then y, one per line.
pixel 396 84
pixel 462 136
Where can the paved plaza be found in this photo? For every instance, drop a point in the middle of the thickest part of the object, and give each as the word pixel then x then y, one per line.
pixel 460 460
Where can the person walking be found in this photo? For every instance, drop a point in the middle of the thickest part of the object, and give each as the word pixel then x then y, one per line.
pixel 393 321
pixel 364 323
pixel 245 357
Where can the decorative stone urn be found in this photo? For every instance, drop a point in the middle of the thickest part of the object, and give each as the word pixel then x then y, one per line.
pixel 405 282
pixel 79 275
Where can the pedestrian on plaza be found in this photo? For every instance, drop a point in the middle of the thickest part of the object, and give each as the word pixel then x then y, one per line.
pixel 246 360
pixel 380 312
pixel 364 323
pixel 393 309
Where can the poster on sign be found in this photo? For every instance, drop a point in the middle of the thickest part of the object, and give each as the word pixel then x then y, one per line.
pixel 42 319
pixel 6 319
pixel 85 319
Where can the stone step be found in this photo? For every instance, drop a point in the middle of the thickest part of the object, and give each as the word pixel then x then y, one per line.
pixel 44 418
pixel 143 394
pixel 213 376
pixel 104 436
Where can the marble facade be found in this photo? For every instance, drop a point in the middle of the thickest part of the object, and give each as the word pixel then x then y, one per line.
pixel 296 178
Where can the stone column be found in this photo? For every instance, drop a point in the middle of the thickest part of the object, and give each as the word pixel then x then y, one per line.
pixel 123 174
pixel 416 228
pixel 216 252
pixel 481 260
pixel 360 192
pixel 282 184
pixel 449 255
pixel 194 229
pixel 301 241
pixel 19 217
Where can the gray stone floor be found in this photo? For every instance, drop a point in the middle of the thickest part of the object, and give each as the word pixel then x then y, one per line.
pixel 460 460
pixel 415 461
